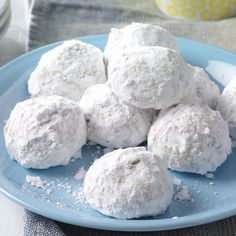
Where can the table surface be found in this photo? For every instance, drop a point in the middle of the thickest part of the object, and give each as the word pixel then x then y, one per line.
pixel 11 45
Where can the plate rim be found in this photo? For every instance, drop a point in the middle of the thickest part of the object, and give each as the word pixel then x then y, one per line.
pixel 111 223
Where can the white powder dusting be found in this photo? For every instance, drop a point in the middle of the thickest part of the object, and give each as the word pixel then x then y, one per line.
pixel 227 107
pixel 111 123
pixel 79 196
pixel 177 182
pixel 204 90
pixel 35 181
pixel 209 175
pixel 63 185
pixel 183 195
pixel 190 138
pixel 80 174
pixel 150 77
pixel 135 35
pixel 175 217
pixel 68 70
pixel 45 131
pixel 128 183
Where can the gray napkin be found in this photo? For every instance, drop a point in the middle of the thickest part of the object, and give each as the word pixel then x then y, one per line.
pixel 36 225
pixel 54 20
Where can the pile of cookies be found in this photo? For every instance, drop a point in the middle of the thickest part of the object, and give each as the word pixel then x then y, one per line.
pixel 139 89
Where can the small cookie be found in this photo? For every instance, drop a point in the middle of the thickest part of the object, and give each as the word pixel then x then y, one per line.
pixel 128 183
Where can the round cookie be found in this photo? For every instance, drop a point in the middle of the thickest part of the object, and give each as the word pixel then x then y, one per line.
pixel 68 70
pixel 227 106
pixel 112 123
pixel 150 77
pixel 190 138
pixel 128 183
pixel 204 90
pixel 45 131
pixel 135 35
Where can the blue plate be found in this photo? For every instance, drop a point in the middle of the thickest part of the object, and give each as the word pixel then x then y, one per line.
pixel 61 199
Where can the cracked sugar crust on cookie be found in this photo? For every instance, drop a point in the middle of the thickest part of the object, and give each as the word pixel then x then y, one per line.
pixel 204 90
pixel 150 77
pixel 112 123
pixel 68 70
pixel 190 138
pixel 45 131
pixel 227 106
pixel 128 183
pixel 135 35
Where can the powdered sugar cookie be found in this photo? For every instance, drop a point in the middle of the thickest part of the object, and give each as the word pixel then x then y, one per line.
pixel 68 70
pixel 190 138
pixel 204 91
pixel 128 183
pixel 112 123
pixel 135 35
pixel 227 106
pixel 150 77
pixel 45 131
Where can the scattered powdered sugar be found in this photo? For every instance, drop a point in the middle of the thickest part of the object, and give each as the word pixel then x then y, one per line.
pixel 79 196
pixel 176 181
pixel 71 194
pixel 209 175
pixel 80 174
pixel 35 181
pixel 212 183
pixel 183 195
pixel 175 217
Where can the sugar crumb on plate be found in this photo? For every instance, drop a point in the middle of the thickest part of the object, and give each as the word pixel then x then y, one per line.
pixel 35 181
pixel 80 174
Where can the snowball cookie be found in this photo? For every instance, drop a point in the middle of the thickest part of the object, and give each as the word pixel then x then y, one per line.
pixel 45 131
pixel 112 123
pixel 133 35
pixel 68 70
pixel 128 183
pixel 190 138
pixel 204 90
pixel 150 77
pixel 227 106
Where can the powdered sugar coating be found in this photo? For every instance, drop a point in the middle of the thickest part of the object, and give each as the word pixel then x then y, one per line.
pixel 190 138
pixel 135 35
pixel 150 77
pixel 128 183
pixel 112 123
pixel 68 70
pixel 227 106
pixel 204 90
pixel 45 131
